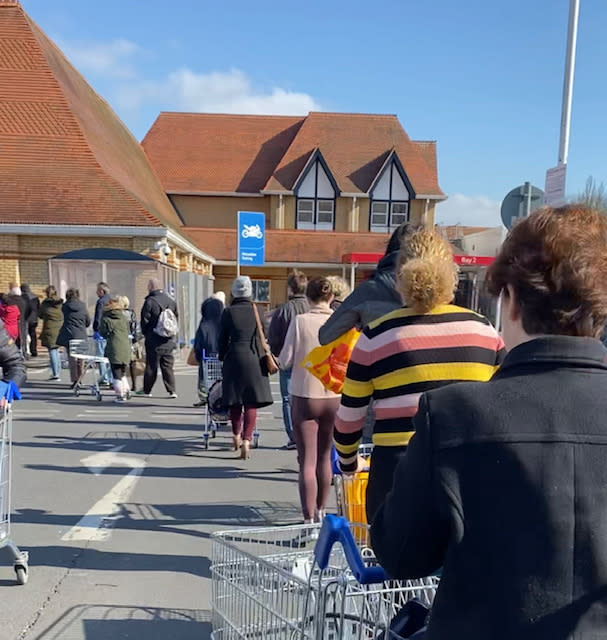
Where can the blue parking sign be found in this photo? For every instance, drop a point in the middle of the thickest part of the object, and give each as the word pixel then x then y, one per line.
pixel 251 238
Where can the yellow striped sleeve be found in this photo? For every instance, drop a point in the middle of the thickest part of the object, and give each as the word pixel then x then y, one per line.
pixel 357 389
pixel 470 371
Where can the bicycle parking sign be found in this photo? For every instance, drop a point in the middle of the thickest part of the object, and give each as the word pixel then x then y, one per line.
pixel 251 238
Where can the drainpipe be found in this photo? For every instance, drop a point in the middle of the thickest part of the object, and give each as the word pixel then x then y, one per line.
pixel 425 216
pixel 353 218
pixel 281 213
pixel 353 275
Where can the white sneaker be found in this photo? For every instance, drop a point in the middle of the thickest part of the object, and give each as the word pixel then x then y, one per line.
pixel 173 395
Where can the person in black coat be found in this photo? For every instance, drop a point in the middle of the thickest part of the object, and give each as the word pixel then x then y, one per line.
pixel 32 306
pixel 503 484
pixel 76 320
pixel 206 342
pixel 246 386
pixel 158 349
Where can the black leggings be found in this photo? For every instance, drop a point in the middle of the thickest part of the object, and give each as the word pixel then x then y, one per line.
pixel 384 461
pixel 313 420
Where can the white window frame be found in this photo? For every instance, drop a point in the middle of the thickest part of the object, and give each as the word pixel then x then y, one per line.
pixel 380 228
pixel 394 224
pixel 305 224
pixel 325 226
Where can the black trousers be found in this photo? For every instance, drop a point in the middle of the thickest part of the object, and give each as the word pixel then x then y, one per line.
pixel 384 461
pixel 166 363
pixel 31 330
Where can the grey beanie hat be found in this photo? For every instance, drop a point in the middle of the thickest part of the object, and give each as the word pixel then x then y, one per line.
pixel 242 287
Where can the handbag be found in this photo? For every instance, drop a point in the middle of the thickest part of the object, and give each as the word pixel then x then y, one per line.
pixel 192 359
pixel 267 359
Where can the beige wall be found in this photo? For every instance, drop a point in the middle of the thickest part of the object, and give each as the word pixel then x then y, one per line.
pixel 218 212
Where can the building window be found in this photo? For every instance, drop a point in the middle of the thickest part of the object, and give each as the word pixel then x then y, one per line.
pixel 261 290
pixel 389 200
pixel 316 198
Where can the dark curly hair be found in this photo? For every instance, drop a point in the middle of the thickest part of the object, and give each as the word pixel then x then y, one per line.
pixel 556 262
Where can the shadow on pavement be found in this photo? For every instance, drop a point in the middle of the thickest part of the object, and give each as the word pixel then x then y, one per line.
pixel 93 559
pixel 101 622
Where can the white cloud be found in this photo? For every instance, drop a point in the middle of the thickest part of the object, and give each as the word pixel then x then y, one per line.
pixel 477 211
pixel 109 59
pixel 216 92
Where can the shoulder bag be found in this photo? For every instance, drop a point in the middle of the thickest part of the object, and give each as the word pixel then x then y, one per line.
pixel 267 359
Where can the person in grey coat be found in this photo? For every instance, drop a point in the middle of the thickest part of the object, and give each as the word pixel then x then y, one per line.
pixel 246 386
pixel 374 297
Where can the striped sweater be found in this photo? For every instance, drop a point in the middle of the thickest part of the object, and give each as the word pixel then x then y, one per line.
pixel 400 356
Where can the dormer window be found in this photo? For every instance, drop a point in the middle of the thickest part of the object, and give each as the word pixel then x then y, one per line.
pixel 316 192
pixel 390 196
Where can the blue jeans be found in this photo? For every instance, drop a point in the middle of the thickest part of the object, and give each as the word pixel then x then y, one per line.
pixel 104 370
pixel 55 362
pixel 285 391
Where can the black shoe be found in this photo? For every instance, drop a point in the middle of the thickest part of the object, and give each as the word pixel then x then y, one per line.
pixel 200 403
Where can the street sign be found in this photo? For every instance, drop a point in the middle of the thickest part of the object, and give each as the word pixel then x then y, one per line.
pixel 555 185
pixel 251 238
pixel 520 203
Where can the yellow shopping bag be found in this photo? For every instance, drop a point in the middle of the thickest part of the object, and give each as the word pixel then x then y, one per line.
pixel 355 497
pixel 329 362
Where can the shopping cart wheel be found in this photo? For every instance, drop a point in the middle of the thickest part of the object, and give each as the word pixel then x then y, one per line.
pixel 255 441
pixel 214 431
pixel 99 397
pixel 21 573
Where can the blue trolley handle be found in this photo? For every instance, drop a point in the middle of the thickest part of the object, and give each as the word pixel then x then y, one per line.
pixel 337 529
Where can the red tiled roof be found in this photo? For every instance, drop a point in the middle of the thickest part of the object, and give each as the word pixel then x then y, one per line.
pixel 204 152
pixel 215 153
pixel 65 157
pixel 355 147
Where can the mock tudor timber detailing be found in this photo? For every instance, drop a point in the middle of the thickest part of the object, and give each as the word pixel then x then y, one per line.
pixel 400 356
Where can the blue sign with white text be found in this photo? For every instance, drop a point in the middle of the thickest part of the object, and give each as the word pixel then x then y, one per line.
pixel 251 238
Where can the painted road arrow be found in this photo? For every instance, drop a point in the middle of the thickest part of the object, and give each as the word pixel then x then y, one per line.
pixel 96 523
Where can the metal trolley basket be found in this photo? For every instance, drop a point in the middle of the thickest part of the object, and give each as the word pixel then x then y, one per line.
pixel 20 558
pixel 216 414
pixel 85 351
pixel 351 490
pixel 280 583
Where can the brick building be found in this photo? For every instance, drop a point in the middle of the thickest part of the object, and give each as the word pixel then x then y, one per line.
pixel 71 174
pixel 328 184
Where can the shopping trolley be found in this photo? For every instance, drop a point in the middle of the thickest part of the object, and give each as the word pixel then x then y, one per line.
pixel 20 558
pixel 216 413
pixel 85 351
pixel 351 490
pixel 280 583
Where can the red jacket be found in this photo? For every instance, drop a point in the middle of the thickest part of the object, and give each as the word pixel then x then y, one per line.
pixel 10 315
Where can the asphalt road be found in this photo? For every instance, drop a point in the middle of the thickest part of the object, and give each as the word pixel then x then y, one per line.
pixel 116 504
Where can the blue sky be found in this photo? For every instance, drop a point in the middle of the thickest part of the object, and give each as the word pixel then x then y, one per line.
pixel 482 78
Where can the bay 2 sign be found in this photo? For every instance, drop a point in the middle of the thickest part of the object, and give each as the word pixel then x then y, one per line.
pixel 251 238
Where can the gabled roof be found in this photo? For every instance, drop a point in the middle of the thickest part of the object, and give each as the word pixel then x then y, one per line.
pixel 217 153
pixel 355 146
pixel 227 154
pixel 65 156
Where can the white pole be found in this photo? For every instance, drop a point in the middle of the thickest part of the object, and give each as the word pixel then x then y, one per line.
pixel 574 11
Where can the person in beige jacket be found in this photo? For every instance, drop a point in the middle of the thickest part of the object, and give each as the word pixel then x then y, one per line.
pixel 313 408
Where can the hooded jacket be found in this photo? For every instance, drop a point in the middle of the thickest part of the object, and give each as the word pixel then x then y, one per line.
pixel 76 319
pixel 281 321
pixel 207 334
pixel 11 316
pixel 52 319
pixel 114 327
pixel 370 300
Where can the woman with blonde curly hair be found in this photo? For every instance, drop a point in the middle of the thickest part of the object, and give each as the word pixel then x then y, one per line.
pixel 425 345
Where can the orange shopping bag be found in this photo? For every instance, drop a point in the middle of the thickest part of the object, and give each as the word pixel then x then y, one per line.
pixel 329 363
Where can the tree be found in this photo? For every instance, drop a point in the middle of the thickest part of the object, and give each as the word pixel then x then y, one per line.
pixel 594 195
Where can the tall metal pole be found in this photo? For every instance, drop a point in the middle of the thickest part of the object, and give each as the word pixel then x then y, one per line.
pixel 574 10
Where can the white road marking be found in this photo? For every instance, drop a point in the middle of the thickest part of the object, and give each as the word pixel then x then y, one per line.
pixel 96 523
